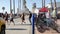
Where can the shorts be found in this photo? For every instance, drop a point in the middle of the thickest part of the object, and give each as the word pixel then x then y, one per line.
pixel 11 19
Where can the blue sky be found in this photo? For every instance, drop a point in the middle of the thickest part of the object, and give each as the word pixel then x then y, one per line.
pixel 6 4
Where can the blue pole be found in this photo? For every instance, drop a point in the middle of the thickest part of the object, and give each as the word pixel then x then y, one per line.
pixel 33 24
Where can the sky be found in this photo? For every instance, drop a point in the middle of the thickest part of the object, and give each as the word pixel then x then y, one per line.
pixel 29 3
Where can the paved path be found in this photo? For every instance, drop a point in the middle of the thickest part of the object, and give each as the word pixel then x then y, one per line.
pixel 19 28
pixel 19 20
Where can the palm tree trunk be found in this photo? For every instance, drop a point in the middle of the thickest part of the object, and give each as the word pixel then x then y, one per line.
pixel 14 6
pixel 18 5
pixel 42 3
pixel 3 10
pixel 51 5
pixel 55 7
pixel 10 5
pixel 55 2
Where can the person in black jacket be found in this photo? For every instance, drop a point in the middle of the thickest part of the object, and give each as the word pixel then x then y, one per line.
pixel 30 15
pixel 6 16
pixel 23 18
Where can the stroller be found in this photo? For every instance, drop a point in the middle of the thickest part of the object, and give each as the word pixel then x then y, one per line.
pixel 41 24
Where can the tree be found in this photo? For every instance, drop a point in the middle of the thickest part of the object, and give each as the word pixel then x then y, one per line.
pixel 14 6
pixel 3 8
pixel 55 8
pixel 42 3
pixel 10 5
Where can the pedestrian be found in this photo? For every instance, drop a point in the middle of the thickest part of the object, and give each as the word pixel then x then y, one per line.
pixel 11 18
pixel 6 17
pixel 23 18
pixel 42 17
pixel 2 16
pixel 54 16
pixel 48 18
pixel 30 16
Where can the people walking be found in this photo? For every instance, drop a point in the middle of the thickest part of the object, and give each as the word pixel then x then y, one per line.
pixel 23 18
pixel 11 18
pixel 30 16
pixel 48 18
pixel 54 15
pixel 6 17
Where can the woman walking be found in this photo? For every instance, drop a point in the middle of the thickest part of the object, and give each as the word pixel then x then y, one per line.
pixel 30 16
pixel 23 18
pixel 11 18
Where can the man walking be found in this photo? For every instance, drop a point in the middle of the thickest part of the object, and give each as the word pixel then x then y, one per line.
pixel 30 16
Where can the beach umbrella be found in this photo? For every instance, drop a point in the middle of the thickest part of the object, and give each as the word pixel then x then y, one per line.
pixel 44 9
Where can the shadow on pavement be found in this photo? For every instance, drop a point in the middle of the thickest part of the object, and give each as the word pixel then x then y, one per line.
pixel 16 29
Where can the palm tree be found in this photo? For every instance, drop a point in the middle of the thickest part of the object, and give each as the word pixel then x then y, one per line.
pixel 42 3
pixel 12 10
pixel 55 7
pixel 10 5
pixel 14 6
pixel 55 2
pixel 3 8
pixel 51 5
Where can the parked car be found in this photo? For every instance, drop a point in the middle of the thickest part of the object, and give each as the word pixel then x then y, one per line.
pixel 2 25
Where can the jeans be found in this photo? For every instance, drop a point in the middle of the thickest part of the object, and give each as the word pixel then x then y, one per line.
pixel 30 20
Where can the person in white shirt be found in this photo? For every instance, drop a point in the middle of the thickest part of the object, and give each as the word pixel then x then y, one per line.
pixel 48 19
pixel 35 12
pixel 47 15
pixel 53 15
pixel 11 18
